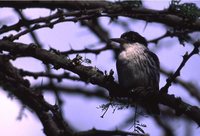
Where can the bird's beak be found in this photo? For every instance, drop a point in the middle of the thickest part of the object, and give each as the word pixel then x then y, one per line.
pixel 118 40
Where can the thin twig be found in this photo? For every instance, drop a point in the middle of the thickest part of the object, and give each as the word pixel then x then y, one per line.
pixel 186 57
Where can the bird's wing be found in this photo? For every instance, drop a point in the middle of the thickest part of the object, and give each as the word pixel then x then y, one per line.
pixel 154 57
pixel 154 60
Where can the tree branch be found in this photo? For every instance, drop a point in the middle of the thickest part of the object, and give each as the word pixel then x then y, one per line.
pixel 186 57
pixel 189 86
pixel 99 93
pixel 49 115
pixel 59 78
pixel 112 10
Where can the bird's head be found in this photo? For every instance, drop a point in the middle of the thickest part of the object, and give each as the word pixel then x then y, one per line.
pixel 130 37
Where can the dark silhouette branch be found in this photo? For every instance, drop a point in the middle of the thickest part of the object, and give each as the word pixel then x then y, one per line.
pixel 10 80
pixel 182 36
pixel 186 57
pixel 115 9
pixel 99 93
pixel 96 28
pixel 50 25
pixel 33 35
pixel 49 21
pixel 95 51
pixel 59 77
pixel 189 86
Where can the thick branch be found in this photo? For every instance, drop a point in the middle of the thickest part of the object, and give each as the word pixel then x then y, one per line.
pixel 87 73
pixel 114 9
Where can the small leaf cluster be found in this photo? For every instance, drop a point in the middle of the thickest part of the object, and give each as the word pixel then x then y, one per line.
pixel 188 11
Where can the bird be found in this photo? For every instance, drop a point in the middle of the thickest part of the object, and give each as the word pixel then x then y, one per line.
pixel 137 66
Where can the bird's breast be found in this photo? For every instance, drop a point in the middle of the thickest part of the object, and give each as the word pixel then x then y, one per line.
pixel 131 65
pixel 132 51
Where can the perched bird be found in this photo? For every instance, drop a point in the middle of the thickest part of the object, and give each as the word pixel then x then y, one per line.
pixel 137 66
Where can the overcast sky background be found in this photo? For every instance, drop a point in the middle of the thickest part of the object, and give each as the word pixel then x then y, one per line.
pixel 81 110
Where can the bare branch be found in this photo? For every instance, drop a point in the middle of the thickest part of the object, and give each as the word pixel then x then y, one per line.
pixel 112 9
pixel 189 86
pixel 33 35
pixel 95 51
pixel 14 83
pixel 186 57
pixel 44 74
pixel 99 93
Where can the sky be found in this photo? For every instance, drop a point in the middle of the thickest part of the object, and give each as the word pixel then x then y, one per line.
pixel 80 109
